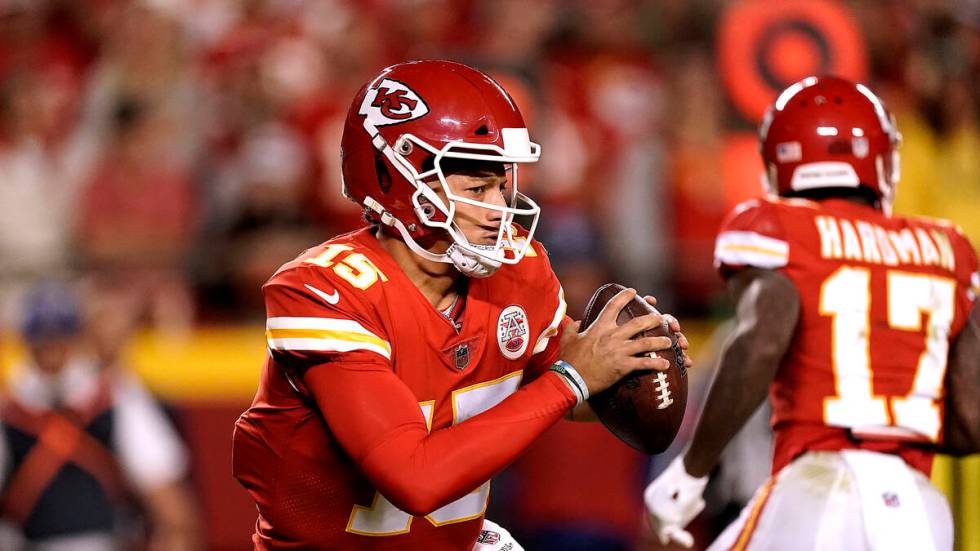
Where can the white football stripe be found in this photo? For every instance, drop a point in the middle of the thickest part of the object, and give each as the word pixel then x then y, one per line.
pixel 331 324
pixel 746 248
pixel 326 345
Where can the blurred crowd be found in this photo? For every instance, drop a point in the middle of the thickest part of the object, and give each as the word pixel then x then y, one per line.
pixel 89 461
pixel 183 149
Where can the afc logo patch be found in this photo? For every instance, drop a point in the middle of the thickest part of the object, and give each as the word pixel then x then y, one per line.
pixel 391 102
pixel 513 332
pixel 891 499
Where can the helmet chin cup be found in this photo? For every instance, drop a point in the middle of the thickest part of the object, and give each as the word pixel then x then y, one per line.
pixel 425 211
pixel 471 264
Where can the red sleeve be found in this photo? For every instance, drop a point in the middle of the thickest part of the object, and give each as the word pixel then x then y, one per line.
pixel 553 307
pixel 378 422
pixel 967 273
pixel 752 235
pixel 541 361
pixel 304 329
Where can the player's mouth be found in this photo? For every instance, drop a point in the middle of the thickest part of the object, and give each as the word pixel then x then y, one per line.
pixel 488 235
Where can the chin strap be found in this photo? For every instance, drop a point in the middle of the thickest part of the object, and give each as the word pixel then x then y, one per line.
pixel 468 263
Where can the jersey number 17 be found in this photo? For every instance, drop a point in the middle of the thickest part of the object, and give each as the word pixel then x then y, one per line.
pixel 845 296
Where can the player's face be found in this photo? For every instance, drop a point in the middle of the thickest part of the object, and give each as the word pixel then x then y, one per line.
pixel 479 225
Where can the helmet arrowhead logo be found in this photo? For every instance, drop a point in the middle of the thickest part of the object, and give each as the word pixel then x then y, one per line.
pixel 392 102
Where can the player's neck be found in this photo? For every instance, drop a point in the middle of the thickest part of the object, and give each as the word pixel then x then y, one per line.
pixel 436 280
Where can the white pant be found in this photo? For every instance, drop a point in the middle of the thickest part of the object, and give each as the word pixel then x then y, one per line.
pixel 855 500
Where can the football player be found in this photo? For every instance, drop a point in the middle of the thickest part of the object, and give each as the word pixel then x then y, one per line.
pixel 411 360
pixel 845 314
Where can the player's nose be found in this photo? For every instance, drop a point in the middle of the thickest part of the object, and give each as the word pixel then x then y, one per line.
pixel 493 216
pixel 496 198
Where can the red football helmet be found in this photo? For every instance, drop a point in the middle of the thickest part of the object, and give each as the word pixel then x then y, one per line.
pixel 400 128
pixel 827 132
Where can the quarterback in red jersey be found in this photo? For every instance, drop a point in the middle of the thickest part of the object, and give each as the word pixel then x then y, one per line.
pixel 412 360
pixel 846 315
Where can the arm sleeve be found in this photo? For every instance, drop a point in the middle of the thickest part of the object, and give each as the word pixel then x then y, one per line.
pixel 304 330
pixel 751 236
pixel 545 351
pixel 378 422
pixel 968 272
pixel 967 279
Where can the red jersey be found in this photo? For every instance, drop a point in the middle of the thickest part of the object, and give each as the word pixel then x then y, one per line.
pixel 378 422
pixel 881 299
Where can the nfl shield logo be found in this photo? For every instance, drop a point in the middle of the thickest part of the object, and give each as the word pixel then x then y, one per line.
pixel 488 537
pixel 462 356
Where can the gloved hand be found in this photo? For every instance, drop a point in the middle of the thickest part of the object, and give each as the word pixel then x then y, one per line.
pixel 673 499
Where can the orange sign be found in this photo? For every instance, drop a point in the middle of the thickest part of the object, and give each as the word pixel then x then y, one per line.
pixel 763 47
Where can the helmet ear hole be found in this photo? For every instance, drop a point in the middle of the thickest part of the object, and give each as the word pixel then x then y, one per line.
pixel 382 173
pixel 404 147
pixel 482 131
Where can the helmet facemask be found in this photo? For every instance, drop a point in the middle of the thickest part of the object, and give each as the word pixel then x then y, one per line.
pixel 438 210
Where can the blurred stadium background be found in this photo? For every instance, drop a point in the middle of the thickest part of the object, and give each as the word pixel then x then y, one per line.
pixel 167 155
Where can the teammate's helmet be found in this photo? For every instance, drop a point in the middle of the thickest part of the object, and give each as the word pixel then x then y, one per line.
pixel 827 132
pixel 401 128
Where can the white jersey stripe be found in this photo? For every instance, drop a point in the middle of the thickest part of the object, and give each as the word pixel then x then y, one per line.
pixel 326 345
pixel 552 329
pixel 323 334
pixel 745 248
pixel 331 324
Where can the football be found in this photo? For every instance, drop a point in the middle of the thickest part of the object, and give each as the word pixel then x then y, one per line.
pixel 645 408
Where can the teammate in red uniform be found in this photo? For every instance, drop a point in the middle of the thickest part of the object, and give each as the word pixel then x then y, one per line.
pixel 846 315
pixel 413 359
